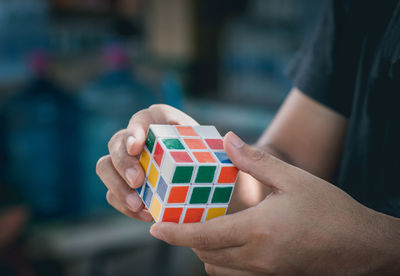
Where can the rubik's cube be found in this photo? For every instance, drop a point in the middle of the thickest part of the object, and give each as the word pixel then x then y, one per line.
pixel 189 177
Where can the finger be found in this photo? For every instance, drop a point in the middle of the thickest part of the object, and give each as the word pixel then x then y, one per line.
pixel 231 257
pixel 221 232
pixel 113 181
pixel 266 168
pixel 128 167
pixel 156 114
pixel 214 270
pixel 142 215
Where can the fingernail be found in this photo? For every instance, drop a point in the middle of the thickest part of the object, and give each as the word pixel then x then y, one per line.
pixel 134 202
pixel 129 142
pixel 235 140
pixel 155 232
pixel 131 175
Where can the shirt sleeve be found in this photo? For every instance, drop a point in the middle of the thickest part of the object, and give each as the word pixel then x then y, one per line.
pixel 325 67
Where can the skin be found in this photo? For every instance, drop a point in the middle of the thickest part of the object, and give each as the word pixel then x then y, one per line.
pixel 287 218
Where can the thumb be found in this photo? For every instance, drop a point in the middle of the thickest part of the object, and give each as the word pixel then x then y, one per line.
pixel 264 167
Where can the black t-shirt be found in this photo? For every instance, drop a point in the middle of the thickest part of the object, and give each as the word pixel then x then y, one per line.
pixel 351 64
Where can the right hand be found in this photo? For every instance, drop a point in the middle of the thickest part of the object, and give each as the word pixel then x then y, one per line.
pixel 121 171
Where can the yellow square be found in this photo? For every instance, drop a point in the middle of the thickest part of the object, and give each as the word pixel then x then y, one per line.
pixel 144 160
pixel 153 175
pixel 215 212
pixel 155 208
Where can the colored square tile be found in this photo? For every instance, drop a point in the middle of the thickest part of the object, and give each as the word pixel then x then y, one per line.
pixel 158 154
pixel 183 174
pixel 227 175
pixel 150 140
pixel 215 212
pixel 147 195
pixel 200 195
pixel 186 131
pixel 205 174
pixel 215 144
pixel 195 144
pixel 178 194
pixel 172 214
pixel 193 215
pixel 162 188
pixel 172 143
pixel 181 157
pixel 204 157
pixel 155 208
pixel 145 160
pixel 153 175
pixel 223 157
pixel 222 194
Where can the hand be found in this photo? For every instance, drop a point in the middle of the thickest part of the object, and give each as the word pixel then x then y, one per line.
pixel 120 171
pixel 305 226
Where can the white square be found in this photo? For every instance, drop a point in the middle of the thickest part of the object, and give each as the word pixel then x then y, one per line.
pixel 164 131
pixel 207 131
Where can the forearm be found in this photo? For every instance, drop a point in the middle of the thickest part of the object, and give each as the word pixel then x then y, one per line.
pixel 384 244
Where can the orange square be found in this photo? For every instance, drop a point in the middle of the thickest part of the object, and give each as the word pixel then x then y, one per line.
pixel 178 194
pixel 204 157
pixel 193 215
pixel 186 131
pixel 172 214
pixel 195 144
pixel 227 175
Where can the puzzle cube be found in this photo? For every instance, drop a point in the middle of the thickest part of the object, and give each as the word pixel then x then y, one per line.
pixel 189 177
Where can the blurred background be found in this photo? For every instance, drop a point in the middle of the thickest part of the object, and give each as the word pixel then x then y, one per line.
pixel 72 72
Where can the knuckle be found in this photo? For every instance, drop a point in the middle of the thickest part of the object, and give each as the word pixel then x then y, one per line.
pixel 110 198
pixel 257 155
pixel 117 138
pixel 201 241
pixel 210 269
pixel 102 163
pixel 158 107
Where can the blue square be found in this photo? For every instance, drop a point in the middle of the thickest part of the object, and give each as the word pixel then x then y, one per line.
pixel 162 188
pixel 223 157
pixel 147 195
pixel 139 190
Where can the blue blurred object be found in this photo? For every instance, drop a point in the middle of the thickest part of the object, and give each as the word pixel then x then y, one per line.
pixel 171 90
pixel 41 142
pixel 109 102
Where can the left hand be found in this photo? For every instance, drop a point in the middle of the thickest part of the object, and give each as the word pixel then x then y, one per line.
pixel 305 226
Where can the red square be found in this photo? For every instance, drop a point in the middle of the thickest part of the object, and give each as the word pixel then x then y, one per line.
pixel 172 214
pixel 194 143
pixel 178 194
pixel 215 144
pixel 186 131
pixel 204 157
pixel 193 215
pixel 181 157
pixel 158 154
pixel 228 175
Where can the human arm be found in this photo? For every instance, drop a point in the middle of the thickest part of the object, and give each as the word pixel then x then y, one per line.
pixel 304 133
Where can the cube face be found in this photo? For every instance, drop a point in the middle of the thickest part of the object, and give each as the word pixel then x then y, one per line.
pixel 189 177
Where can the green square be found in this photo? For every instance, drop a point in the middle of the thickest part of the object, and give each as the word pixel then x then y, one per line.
pixel 205 174
pixel 150 140
pixel 182 174
pixel 173 144
pixel 200 195
pixel 222 194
